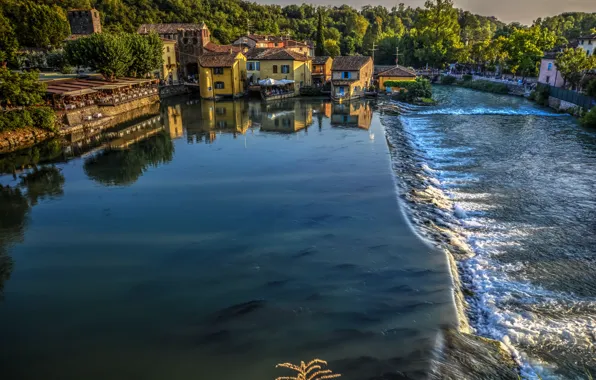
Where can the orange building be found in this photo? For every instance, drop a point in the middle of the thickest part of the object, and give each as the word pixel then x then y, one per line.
pixel 321 69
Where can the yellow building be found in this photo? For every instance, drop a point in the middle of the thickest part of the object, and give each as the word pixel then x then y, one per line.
pixel 350 77
pixel 280 64
pixel 172 117
pixel 397 73
pixel 353 114
pixel 321 71
pixel 287 117
pixel 222 74
pixel 169 69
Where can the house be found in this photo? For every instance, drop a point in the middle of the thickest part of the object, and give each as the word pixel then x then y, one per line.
pixel 222 74
pixel 192 40
pixel 83 22
pixel 263 63
pixel 268 41
pixel 396 73
pixel 169 67
pixel 321 69
pixel 588 43
pixel 549 74
pixel 350 77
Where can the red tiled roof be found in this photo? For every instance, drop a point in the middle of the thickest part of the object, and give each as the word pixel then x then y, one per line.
pixel 320 60
pixel 210 46
pixel 398 71
pixel 217 59
pixel 350 63
pixel 275 54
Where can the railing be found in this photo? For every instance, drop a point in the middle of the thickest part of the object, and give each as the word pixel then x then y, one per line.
pixel 120 99
pixel 570 96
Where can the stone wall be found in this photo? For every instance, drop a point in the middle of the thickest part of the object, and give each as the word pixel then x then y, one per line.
pixel 23 138
pixel 167 91
pixel 84 21
pixel 563 106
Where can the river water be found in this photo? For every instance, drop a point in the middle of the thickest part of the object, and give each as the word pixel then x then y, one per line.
pixel 510 189
pixel 213 241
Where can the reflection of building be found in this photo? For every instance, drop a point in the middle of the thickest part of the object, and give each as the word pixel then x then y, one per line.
pixel 172 118
pixel 353 114
pixel 222 74
pixel 211 117
pixel 350 77
pixel 287 117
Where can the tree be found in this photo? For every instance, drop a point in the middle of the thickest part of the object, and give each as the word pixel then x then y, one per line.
pixel 320 46
pixel 20 89
pixel 573 65
pixel 146 53
pixel 332 48
pixel 437 31
pixel 37 25
pixel 8 41
pixel 525 47
pixel 108 54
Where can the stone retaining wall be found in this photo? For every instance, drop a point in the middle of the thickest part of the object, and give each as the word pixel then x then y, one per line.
pixel 167 91
pixel 23 138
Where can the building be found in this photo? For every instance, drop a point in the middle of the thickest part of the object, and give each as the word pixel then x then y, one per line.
pixel 321 70
pixel 396 73
pixel 588 43
pixel 169 68
pixel 84 21
pixel 172 117
pixel 287 117
pixel 549 74
pixel 204 124
pixel 353 114
pixel 192 40
pixel 263 63
pixel 222 74
pixel 350 77
pixel 268 41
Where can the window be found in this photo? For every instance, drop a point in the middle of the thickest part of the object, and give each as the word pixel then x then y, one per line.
pixel 274 69
pixel 285 69
pixel 550 66
pixel 588 51
pixel 219 85
pixel 581 42
pixel 548 80
pixel 169 61
pixel 218 71
pixel 222 124
pixel 346 75
pixel 220 111
pixel 250 66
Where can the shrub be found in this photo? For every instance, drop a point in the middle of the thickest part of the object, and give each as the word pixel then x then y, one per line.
pixel 39 117
pixel 411 90
pixel 44 118
pixel 591 88
pixel 448 79
pixel 467 77
pixel 541 95
pixel 589 119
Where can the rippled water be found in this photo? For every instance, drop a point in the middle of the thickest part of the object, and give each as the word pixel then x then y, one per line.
pixel 509 188
pixel 212 243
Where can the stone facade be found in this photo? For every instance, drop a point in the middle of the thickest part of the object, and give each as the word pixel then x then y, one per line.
pixel 84 21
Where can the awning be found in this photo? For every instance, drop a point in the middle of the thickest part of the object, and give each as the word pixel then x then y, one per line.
pixel 70 93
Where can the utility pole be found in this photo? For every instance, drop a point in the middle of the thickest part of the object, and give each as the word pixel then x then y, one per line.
pixel 248 26
pixel 374 48
pixel 397 56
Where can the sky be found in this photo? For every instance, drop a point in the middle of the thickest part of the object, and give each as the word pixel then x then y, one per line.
pixel 524 11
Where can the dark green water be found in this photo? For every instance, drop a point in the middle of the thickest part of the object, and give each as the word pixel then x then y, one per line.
pixel 237 237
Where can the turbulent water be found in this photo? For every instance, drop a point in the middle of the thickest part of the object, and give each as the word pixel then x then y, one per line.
pixel 509 189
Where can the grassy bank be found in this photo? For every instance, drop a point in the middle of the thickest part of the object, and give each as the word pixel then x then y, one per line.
pixel 480 85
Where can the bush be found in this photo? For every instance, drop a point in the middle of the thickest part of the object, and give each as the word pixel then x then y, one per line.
pixel 541 95
pixel 467 77
pixel 591 88
pixel 39 117
pixel 486 86
pixel 589 119
pixel 448 79
pixel 411 90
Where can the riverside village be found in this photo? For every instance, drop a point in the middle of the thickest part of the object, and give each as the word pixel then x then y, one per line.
pixel 222 189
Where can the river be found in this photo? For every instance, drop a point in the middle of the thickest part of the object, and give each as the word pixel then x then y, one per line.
pixel 509 188
pixel 216 240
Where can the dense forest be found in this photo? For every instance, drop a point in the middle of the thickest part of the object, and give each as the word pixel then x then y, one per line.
pixel 436 34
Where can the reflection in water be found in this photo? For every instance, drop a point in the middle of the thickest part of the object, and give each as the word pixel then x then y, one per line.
pixel 286 117
pixel 204 120
pixel 115 167
pixel 355 114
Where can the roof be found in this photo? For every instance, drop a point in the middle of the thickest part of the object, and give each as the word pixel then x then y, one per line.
pixel 275 54
pixel 588 37
pixel 80 86
pixel 84 91
pixel 398 71
pixel 217 59
pixel 210 46
pixel 350 63
pixel 321 60
pixel 169 28
pixel 264 37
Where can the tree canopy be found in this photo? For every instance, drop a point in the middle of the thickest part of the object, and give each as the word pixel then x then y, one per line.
pixel 573 65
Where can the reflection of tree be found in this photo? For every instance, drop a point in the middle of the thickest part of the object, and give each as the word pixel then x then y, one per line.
pixel 44 182
pixel 124 167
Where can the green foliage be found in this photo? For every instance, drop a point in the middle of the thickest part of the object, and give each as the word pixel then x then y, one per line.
pixel 20 89
pixel 146 53
pixel 320 46
pixel 448 79
pixel 39 117
pixel 486 86
pixel 467 77
pixel 411 90
pixel 589 119
pixel 591 88
pixel 569 25
pixel 573 65
pixel 525 48
pixel 8 41
pixel 36 24
pixel 56 59
pixel 332 48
